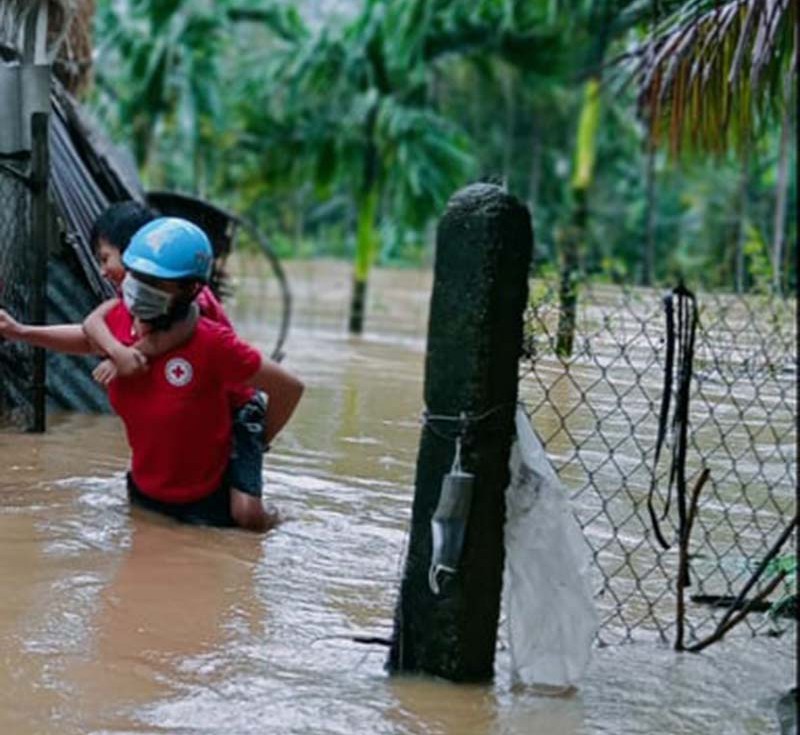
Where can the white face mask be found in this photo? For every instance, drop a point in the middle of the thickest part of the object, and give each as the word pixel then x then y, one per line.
pixel 144 301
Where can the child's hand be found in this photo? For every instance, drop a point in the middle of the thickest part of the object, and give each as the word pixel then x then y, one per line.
pixel 9 327
pixel 105 372
pixel 129 361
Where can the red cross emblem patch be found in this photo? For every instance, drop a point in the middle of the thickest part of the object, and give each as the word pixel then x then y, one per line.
pixel 178 372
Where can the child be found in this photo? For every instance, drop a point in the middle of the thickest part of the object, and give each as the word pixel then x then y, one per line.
pixel 109 236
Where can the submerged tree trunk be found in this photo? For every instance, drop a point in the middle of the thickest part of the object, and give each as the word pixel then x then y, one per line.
pixel 649 259
pixel 576 233
pixel 781 191
pixel 366 243
pixel 740 272
pixel 570 275
pixel 366 235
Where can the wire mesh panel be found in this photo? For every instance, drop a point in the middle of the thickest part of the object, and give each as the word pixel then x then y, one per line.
pixel 16 294
pixel 597 413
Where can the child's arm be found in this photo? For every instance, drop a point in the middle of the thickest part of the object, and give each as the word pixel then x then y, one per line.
pixel 128 360
pixel 58 337
pixel 284 391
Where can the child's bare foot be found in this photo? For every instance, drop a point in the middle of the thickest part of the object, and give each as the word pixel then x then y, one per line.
pixel 272 517
pixel 249 512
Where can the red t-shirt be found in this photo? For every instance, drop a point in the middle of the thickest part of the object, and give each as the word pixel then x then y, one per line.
pixel 177 413
pixel 211 308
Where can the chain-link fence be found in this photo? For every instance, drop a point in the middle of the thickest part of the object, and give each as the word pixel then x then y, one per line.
pixel 16 295
pixel 597 413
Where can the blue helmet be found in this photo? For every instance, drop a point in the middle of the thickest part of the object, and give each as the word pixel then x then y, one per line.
pixel 170 248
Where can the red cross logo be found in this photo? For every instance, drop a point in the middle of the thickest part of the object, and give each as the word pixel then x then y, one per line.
pixel 178 372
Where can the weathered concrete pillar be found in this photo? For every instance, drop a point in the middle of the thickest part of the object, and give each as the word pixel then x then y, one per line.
pixel 483 253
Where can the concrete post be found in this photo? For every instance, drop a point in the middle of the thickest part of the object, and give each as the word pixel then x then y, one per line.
pixel 484 248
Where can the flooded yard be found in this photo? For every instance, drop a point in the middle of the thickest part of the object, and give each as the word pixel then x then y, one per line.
pixel 114 621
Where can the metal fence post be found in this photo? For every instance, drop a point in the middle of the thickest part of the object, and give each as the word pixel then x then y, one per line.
pixel 39 229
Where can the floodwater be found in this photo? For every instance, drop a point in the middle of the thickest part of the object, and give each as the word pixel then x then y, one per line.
pixel 114 621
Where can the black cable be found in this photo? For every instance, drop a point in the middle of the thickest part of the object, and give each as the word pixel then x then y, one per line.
pixel 685 333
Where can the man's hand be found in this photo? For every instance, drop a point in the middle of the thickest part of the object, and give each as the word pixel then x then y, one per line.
pixel 10 328
pixel 128 360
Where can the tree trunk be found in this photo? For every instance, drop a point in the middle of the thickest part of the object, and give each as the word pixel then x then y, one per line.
pixel 365 254
pixel 570 275
pixel 781 190
pixel 739 264
pixel 366 236
pixel 649 259
pixel 358 300
pixel 510 124
pixel 535 172
pixel 576 233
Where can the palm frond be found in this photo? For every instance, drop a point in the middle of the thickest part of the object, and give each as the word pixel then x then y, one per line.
pixel 710 73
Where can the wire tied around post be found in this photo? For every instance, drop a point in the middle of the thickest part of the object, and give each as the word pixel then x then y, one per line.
pixel 465 423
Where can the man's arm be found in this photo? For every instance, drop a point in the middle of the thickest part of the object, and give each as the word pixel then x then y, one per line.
pixel 284 391
pixel 67 338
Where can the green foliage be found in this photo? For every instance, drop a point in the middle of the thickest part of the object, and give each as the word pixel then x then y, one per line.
pixel 711 73
pixel 787 603
pixel 293 122
pixel 759 265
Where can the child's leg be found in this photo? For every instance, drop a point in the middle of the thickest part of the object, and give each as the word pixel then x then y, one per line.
pixel 247 458
pixel 249 512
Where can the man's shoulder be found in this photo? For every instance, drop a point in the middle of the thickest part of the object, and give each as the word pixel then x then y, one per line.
pixel 214 331
pixel 216 337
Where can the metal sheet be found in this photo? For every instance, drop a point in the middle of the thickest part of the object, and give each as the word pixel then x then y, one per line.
pixel 10 134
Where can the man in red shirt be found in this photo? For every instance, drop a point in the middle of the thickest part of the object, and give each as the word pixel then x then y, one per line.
pixel 177 413
pixel 111 236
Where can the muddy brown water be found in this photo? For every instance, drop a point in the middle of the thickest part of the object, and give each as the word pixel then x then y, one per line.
pixel 113 621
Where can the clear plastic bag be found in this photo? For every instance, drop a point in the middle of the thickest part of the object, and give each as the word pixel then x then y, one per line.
pixel 550 613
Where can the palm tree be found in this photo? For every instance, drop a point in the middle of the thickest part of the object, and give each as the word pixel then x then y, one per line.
pixel 358 103
pixel 711 71
pixel 161 61
pixel 356 107
pixel 713 75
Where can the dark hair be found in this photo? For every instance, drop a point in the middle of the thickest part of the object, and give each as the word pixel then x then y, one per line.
pixel 119 223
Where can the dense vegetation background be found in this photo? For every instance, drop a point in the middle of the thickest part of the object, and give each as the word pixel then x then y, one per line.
pixel 650 139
